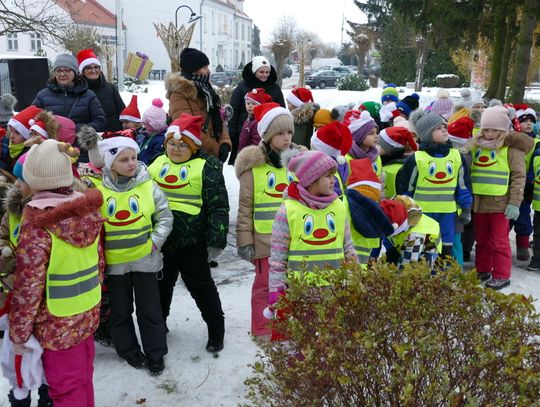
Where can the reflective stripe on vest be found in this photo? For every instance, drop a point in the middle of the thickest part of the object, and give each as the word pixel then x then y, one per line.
pixel 490 172
pixel 437 181
pixel 128 223
pixel 390 174
pixel 269 183
pixel 536 193
pixel 427 226
pixel 181 183
pixel 317 239
pixel 72 278
pixel 14 223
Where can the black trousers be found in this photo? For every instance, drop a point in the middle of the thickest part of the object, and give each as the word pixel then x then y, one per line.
pixel 144 288
pixel 536 236
pixel 192 264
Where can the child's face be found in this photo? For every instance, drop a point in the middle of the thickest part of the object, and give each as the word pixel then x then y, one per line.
pixel 23 186
pixel 250 104
pixel 527 126
pixel 15 137
pixel 290 106
pixel 281 141
pixel 371 139
pixel 126 163
pixel 492 134
pixel 178 151
pixel 440 134
pixel 478 106
pixel 130 125
pixel 324 186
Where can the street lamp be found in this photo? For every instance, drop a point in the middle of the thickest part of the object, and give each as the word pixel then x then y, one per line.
pixel 193 17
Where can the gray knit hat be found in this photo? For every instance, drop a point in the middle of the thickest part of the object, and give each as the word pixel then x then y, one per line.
pixel 424 124
pixel 7 103
pixel 66 61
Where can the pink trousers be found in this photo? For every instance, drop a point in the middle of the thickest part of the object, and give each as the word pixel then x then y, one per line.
pixel 259 299
pixel 69 373
pixel 493 252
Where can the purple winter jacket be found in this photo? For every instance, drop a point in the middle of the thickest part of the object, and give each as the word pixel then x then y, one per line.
pixel 249 136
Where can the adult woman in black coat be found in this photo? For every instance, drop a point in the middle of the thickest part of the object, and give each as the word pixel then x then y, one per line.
pixel 107 93
pixel 256 74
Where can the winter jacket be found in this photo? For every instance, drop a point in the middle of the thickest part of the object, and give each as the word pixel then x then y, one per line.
pixel 303 123
pixel 162 220
pixel 151 145
pixel 249 83
pixel 77 103
pixel 249 136
pixel 409 174
pixel 211 225
pixel 184 98
pixel 519 144
pixel 110 100
pixel 76 220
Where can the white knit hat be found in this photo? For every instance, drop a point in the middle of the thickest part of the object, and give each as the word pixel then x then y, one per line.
pixel 111 147
pixel 46 167
pixel 259 62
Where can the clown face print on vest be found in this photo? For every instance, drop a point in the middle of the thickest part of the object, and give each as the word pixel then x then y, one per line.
pixel 485 158
pixel 440 172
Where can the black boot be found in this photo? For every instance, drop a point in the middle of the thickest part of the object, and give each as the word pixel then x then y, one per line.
pixel 216 332
pixel 44 399
pixel 13 402
pixel 156 366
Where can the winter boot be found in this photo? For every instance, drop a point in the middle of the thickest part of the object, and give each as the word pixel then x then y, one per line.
pixel 498 283
pixel 522 248
pixel 156 366
pixel 216 332
pixel 534 265
pixel 483 275
pixel 44 399
pixel 13 402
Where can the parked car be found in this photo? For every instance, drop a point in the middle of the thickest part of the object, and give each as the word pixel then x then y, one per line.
pixel 287 71
pixel 233 75
pixel 219 79
pixel 343 70
pixel 322 79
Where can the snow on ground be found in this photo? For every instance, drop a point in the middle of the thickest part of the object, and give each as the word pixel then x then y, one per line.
pixel 192 376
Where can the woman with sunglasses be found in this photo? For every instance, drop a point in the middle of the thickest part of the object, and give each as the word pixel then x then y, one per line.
pixel 67 95
pixel 106 92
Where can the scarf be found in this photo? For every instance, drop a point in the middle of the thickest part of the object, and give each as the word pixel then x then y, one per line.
pixel 494 144
pixel 357 152
pixel 15 150
pixel 298 192
pixel 273 156
pixel 213 103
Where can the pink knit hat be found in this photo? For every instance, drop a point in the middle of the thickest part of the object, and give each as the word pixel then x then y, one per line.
pixel 154 118
pixel 495 118
pixel 308 166
pixel 443 105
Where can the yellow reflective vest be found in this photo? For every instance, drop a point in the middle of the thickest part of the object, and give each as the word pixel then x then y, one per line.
pixel 72 278
pixel 427 226
pixel 269 183
pixel 536 192
pixel 390 174
pixel 490 171
pixel 437 181
pixel 181 183
pixel 317 238
pixel 14 223
pixel 128 223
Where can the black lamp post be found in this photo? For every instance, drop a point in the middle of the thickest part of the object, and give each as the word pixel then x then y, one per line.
pixel 193 17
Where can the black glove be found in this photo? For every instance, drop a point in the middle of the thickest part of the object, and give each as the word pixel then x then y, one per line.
pixel 223 153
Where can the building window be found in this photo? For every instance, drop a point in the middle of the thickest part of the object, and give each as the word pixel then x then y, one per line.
pixel 249 34
pixel 213 23
pixel 236 31
pixel 243 29
pixel 205 21
pixel 35 42
pixel 13 42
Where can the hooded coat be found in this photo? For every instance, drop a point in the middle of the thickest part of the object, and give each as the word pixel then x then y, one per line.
pixel 76 220
pixel 184 98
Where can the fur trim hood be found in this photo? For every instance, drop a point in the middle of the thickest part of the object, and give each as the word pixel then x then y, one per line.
pixel 177 83
pixel 520 141
pixel 304 114
pixel 14 202
pixel 249 157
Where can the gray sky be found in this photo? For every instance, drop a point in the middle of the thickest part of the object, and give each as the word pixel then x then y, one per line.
pixel 320 16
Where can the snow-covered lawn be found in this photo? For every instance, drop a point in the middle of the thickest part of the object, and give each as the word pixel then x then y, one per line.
pixel 192 376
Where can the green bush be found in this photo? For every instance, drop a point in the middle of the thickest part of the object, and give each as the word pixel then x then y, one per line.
pixel 389 338
pixel 352 82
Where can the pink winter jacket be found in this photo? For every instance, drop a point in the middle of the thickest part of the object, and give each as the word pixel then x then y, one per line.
pixel 249 136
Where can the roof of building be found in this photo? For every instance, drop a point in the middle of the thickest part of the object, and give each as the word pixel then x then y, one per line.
pixel 88 12
pixel 231 4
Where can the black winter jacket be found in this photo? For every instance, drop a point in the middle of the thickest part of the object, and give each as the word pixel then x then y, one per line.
pixel 211 225
pixel 78 103
pixel 249 83
pixel 110 100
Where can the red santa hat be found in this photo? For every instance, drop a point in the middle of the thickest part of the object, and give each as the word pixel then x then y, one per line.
pixel 460 130
pixel 87 57
pixel 299 96
pixel 39 127
pixel 265 114
pixel 334 139
pixel 362 178
pixel 396 213
pixel 186 126
pixel 350 116
pixel 259 96
pixel 524 112
pixel 396 138
pixel 21 121
pixel 131 112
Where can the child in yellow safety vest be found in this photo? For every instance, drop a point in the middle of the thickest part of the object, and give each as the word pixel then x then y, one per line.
pixel 263 180
pixel 437 177
pixel 137 223
pixel 498 180
pixel 311 229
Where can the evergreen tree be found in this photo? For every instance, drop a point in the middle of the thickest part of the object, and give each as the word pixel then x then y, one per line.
pixel 397 54
pixel 256 41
